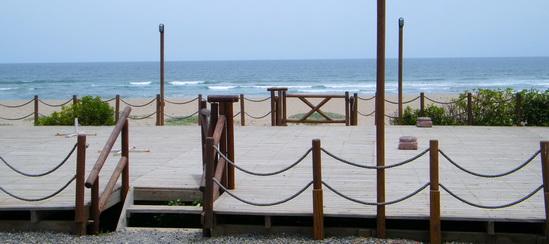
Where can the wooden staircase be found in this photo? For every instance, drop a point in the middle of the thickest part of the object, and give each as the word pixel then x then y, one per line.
pixel 158 204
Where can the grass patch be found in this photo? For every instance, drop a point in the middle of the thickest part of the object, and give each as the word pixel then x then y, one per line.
pixel 182 121
pixel 317 117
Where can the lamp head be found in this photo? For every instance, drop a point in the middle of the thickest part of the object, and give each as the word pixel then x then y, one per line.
pixel 161 28
pixel 401 22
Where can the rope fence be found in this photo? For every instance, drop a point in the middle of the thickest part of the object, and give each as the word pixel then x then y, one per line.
pixel 140 117
pixel 18 118
pixel 257 117
pixel 181 103
pixel 55 105
pixel 137 105
pixel 376 203
pixel 40 198
pixel 16 106
pixel 257 100
pixel 181 117
pixel 40 174
pixel 407 161
pixel 522 199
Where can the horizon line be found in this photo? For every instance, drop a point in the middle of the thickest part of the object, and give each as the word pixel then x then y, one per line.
pixel 259 60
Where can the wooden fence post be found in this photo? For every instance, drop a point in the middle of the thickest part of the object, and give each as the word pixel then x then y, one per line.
pixel 94 208
pixel 469 109
pixel 199 107
pixel 347 107
pixel 116 108
pixel 157 109
pixel 80 218
pixel 242 111
pixel 208 216
pixel 273 107
pixel 284 111
pixel 355 109
pixel 318 210
pixel 434 194
pixel 279 108
pixel 544 148
pixel 125 153
pixel 422 103
pixel 74 99
pixel 518 108
pixel 36 113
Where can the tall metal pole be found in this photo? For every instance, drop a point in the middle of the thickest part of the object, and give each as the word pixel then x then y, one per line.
pixel 400 66
pixel 380 118
pixel 161 115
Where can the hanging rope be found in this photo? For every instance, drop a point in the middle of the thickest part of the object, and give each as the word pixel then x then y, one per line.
pixel 366 115
pixel 137 117
pixel 391 102
pixel 55 105
pixel 236 115
pixel 262 204
pixel 257 117
pixel 444 103
pixel 376 203
pixel 183 117
pixel 41 174
pixel 20 118
pixel 487 175
pixel 137 105
pixel 262 174
pixel 258 100
pixel 109 100
pixel 16 106
pixel 366 99
pixel 375 167
pixel 41 198
pixel 492 206
pixel 181 103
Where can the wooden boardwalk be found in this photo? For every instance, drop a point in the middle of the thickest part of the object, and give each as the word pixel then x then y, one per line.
pixel 174 162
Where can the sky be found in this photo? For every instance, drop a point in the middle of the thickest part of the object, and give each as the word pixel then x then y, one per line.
pixel 127 30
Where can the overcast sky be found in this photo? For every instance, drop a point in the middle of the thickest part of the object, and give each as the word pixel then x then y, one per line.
pixel 127 30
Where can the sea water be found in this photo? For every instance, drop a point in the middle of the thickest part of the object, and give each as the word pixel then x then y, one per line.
pixel 189 78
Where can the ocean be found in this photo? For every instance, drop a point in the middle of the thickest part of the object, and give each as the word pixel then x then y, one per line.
pixel 189 78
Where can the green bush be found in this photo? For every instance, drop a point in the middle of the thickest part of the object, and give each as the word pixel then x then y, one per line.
pixel 89 111
pixel 534 109
pixel 490 107
pixel 438 115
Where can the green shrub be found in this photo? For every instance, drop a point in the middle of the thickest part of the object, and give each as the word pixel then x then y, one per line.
pixel 89 111
pixel 490 107
pixel 534 109
pixel 438 115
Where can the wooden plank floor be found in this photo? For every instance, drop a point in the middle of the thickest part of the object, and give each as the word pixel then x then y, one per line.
pixel 174 161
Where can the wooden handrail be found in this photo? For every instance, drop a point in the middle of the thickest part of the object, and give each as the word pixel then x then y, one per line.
pixel 109 188
pixel 107 148
pixel 218 131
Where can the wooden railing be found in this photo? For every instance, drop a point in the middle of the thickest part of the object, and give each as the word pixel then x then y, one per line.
pixel 279 117
pixel 219 131
pixel 99 201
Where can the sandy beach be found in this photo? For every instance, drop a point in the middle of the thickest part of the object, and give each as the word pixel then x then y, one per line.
pixel 256 109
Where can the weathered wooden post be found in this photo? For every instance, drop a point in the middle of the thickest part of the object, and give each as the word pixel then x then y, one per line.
pixel 347 108
pixel 116 108
pixel 273 106
pixel 284 112
pixel 544 148
pixel 227 103
pixel 36 113
pixel 199 106
pixel 80 218
pixel 400 66
pixel 162 97
pixel 380 117
pixel 125 153
pixel 422 104
pixel 208 195
pixel 158 110
pixel 318 209
pixel 94 208
pixel 242 111
pixel 518 108
pixel 435 235
pixel 355 109
pixel 74 99
pixel 469 109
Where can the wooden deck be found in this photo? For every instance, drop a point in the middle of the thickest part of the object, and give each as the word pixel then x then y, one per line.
pixel 174 162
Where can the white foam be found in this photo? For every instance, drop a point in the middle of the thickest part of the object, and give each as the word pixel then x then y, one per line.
pixel 221 87
pixel 6 88
pixel 140 83
pixel 186 83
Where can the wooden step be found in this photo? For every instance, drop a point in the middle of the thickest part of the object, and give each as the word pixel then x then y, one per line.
pixel 163 209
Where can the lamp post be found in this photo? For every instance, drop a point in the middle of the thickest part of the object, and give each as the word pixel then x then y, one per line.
pixel 161 115
pixel 380 117
pixel 400 67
